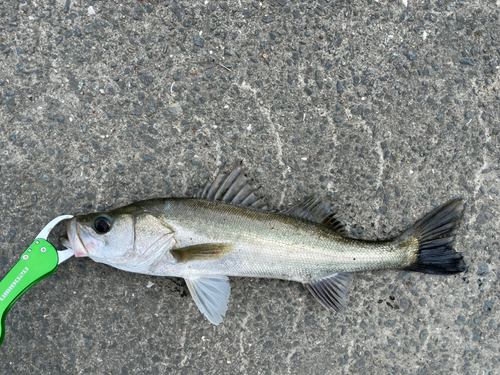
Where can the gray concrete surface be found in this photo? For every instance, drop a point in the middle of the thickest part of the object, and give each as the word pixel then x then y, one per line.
pixel 388 110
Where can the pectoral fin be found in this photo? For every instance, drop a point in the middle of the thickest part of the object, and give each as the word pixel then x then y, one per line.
pixel 206 251
pixel 211 295
pixel 331 291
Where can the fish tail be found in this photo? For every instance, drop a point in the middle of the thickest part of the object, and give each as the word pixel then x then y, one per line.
pixel 434 234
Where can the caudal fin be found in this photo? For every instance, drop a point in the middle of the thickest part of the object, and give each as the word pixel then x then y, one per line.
pixel 435 234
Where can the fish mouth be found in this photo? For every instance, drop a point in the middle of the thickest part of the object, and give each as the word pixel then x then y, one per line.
pixel 82 243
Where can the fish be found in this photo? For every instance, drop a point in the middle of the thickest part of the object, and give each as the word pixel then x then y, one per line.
pixel 227 229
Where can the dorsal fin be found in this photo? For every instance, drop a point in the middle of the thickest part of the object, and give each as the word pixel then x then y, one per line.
pixel 315 209
pixel 233 187
pixel 335 224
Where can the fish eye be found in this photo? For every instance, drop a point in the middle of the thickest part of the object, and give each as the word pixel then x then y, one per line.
pixel 102 224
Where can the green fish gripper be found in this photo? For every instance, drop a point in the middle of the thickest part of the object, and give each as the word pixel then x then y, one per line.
pixel 38 261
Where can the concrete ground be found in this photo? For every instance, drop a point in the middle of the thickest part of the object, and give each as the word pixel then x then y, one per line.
pixel 388 110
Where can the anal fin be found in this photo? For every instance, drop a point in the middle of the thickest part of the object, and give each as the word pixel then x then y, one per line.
pixel 211 295
pixel 331 291
pixel 205 251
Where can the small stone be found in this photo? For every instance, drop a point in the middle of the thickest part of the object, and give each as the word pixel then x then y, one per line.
pixel 146 79
pixel 482 218
pixel 467 62
pixel 483 269
pixel 46 178
pixel 268 19
pixel 199 41
pixel 10 235
pixel 494 191
pixel 431 17
pixel 423 335
pixel 85 159
pixel 152 130
pixel 488 305
pixel 412 56
pixel 340 89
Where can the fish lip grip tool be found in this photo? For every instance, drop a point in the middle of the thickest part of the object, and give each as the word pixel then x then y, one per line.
pixel 38 261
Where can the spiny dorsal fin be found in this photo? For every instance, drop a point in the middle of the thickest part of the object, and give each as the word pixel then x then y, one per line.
pixel 233 187
pixel 204 251
pixel 315 209
pixel 331 291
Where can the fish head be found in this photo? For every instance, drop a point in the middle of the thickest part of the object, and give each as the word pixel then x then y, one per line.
pixel 127 238
pixel 102 235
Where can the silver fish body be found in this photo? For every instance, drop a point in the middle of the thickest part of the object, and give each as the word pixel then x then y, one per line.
pixel 270 245
pixel 227 231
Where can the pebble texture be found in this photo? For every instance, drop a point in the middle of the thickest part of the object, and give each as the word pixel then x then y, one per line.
pixel 388 110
